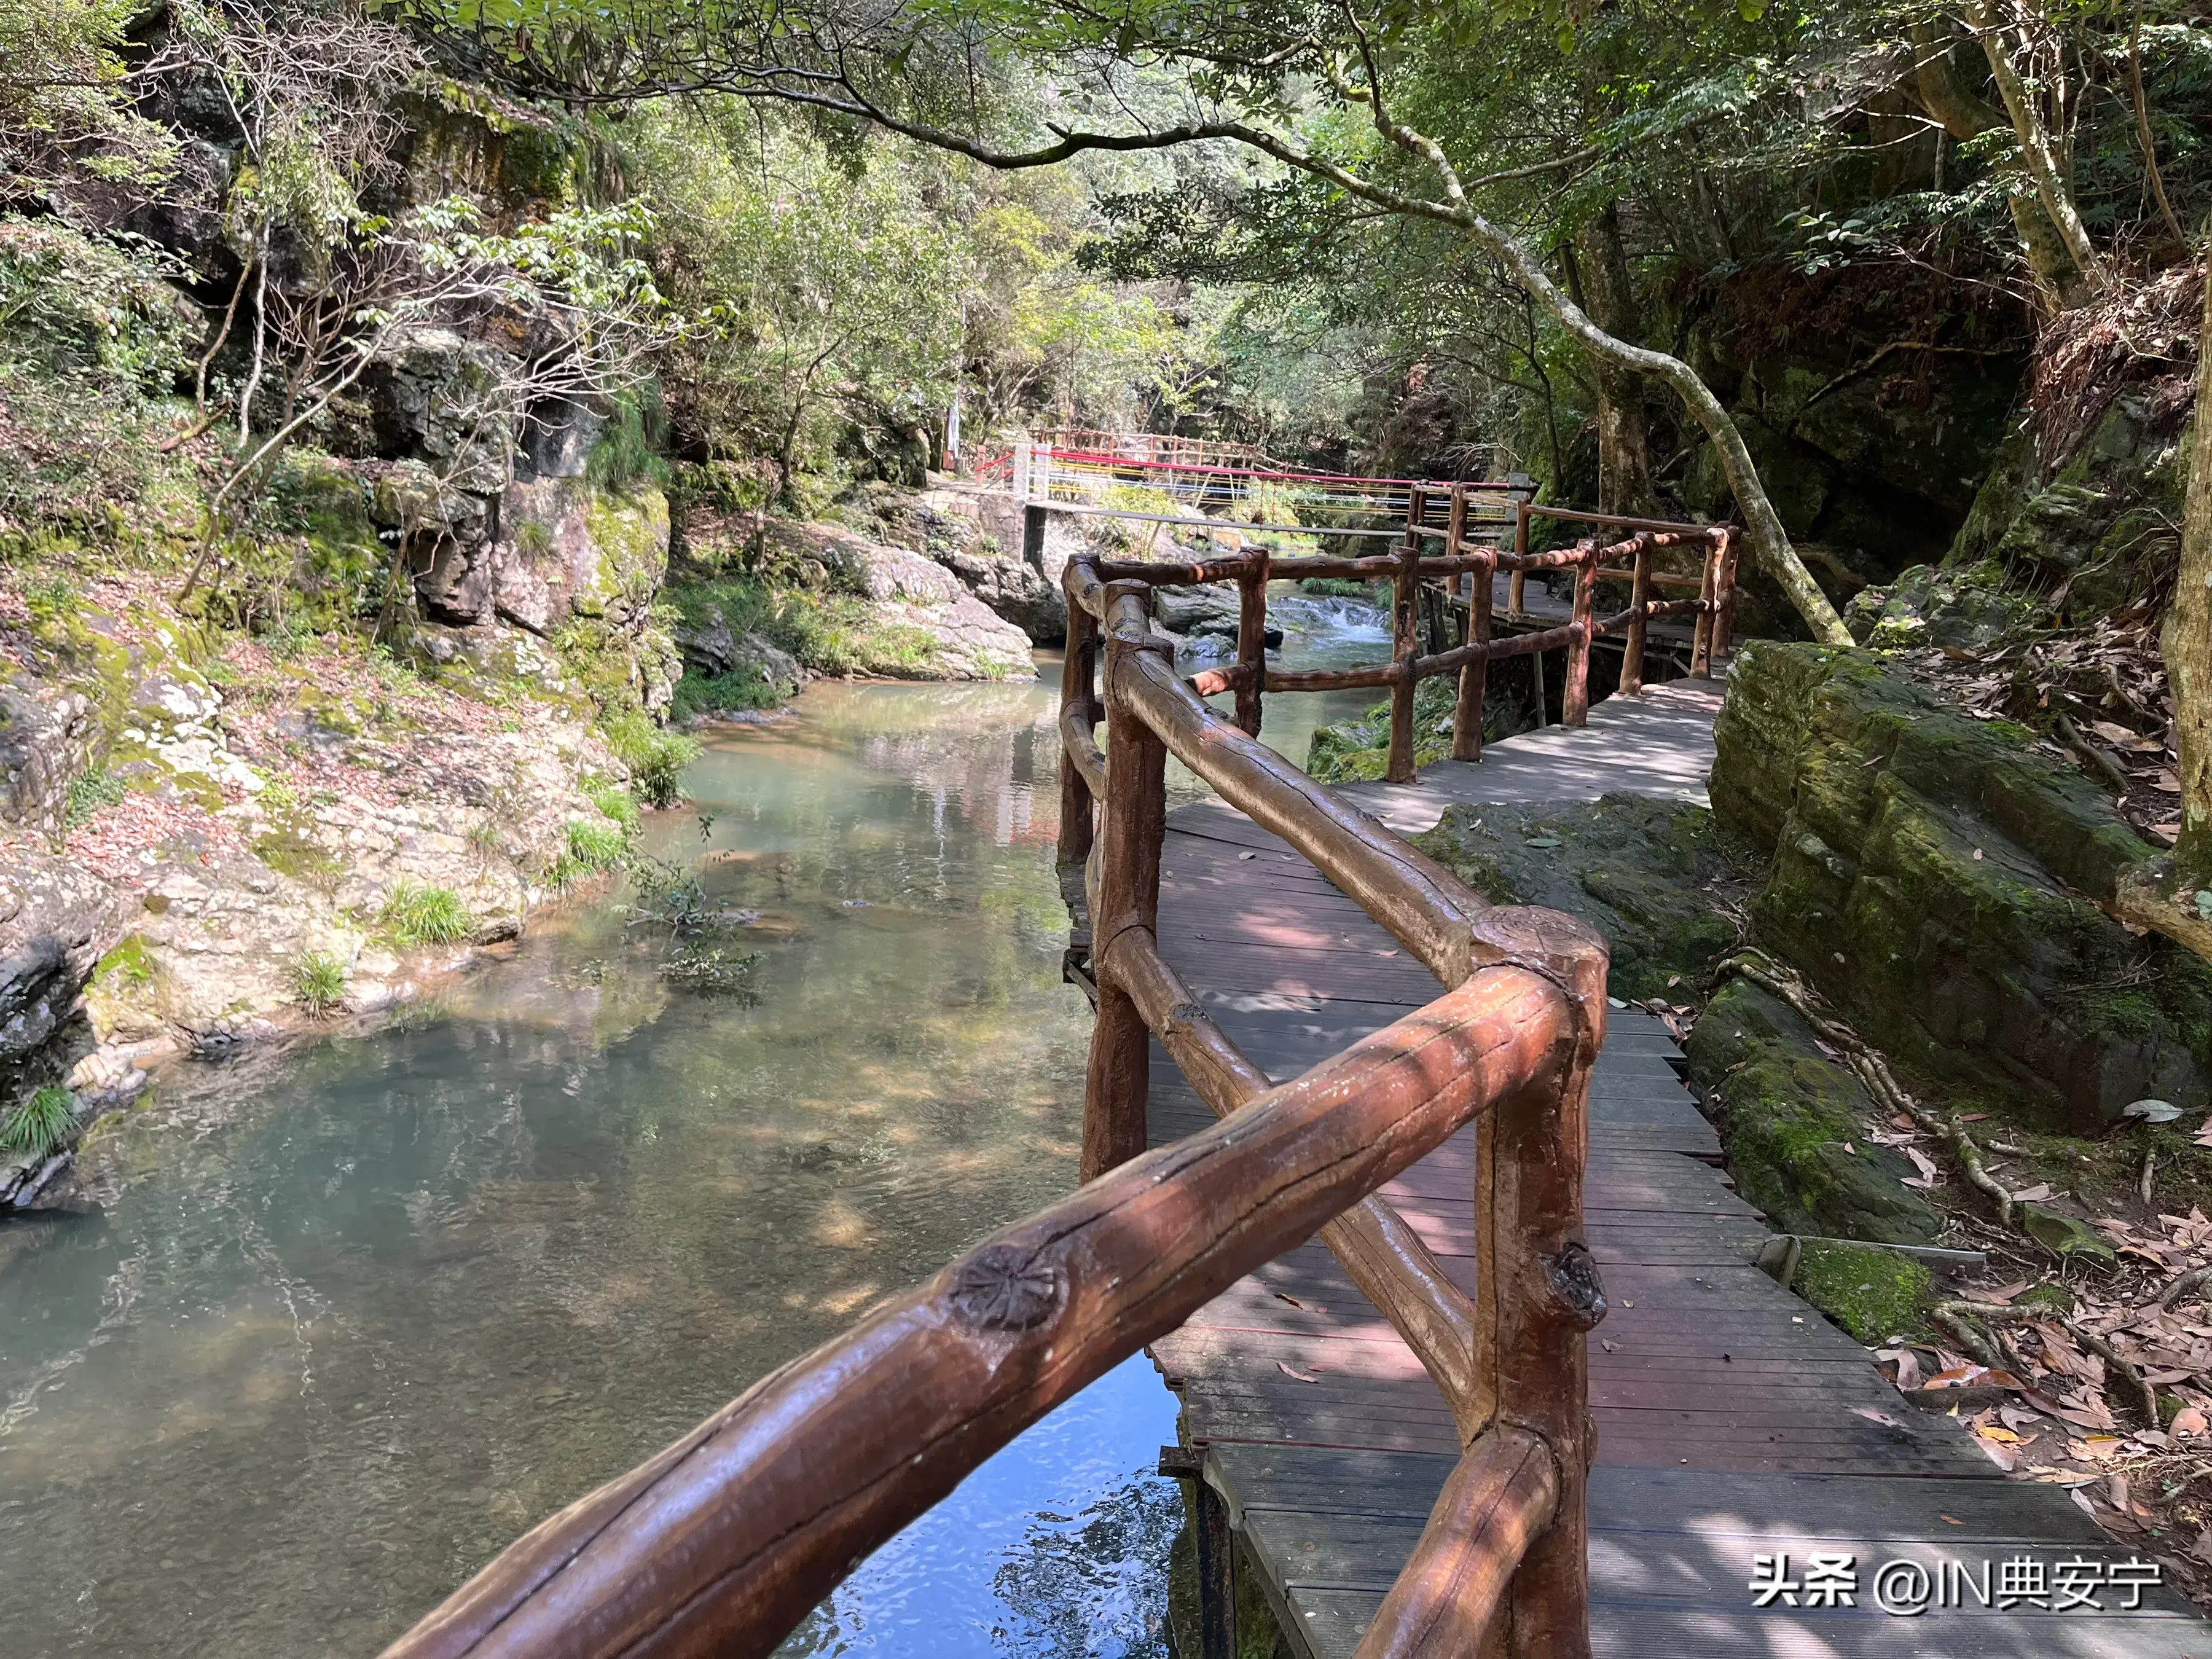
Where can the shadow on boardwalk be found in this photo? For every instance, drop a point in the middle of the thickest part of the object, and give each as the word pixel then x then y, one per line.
pixel 1733 1422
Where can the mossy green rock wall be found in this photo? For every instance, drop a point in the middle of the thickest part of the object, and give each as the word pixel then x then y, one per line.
pixel 1794 1123
pixel 1935 876
pixel 1637 870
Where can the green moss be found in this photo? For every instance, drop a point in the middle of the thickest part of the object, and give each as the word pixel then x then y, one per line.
pixel 1359 751
pixel 2047 1296
pixel 741 688
pixel 1794 1123
pixel 130 965
pixel 1873 1294
pixel 1643 873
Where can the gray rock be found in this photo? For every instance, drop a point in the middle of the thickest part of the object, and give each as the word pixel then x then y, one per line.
pixel 435 396
pixel 710 647
pixel 44 743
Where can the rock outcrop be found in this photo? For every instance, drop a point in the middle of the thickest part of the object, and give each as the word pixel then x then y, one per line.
pixel 929 626
pixel 1940 880
pixel 976 534
pixel 1797 1125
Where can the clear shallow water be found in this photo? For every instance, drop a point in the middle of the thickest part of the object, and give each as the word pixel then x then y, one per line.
pixel 1318 632
pixel 353 1315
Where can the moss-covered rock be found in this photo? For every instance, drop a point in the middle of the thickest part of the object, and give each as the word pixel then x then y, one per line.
pixel 1873 1294
pixel 1641 871
pixel 1928 604
pixel 1937 878
pixel 1795 1124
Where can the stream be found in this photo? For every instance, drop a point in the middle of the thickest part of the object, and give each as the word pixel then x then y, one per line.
pixel 348 1314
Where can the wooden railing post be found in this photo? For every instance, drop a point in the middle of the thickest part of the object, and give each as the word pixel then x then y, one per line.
pixel 1701 646
pixel 1717 643
pixel 1513 598
pixel 1474 677
pixel 1632 656
pixel 1077 672
pixel 1117 1078
pixel 1406 634
pixel 1252 639
pixel 1538 1296
pixel 1574 694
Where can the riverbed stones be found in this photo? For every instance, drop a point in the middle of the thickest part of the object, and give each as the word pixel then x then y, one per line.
pixel 1940 881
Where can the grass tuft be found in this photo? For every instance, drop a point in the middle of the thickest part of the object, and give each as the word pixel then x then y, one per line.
pixel 419 914
pixel 42 1125
pixel 318 980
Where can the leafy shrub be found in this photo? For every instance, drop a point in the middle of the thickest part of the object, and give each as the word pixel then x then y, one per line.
pixel 318 980
pixel 41 1125
pixel 415 914
pixel 656 758
pixel 741 688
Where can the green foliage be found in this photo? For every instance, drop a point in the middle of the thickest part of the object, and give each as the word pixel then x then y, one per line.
pixel 615 802
pixel 831 633
pixel 41 1124
pixel 595 845
pixel 66 100
pixel 717 694
pixel 91 794
pixel 318 981
pixel 825 287
pixel 656 757
pixel 417 914
pixel 90 337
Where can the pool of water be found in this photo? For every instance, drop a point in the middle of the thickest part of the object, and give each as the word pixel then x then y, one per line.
pixel 350 1314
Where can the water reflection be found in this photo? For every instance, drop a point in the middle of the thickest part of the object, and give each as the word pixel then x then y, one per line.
pixel 351 1316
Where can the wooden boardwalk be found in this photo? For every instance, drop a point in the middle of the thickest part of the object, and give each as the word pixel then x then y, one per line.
pixel 1733 1420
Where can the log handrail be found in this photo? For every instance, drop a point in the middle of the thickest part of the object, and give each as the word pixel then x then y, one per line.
pixel 1468 552
pixel 1503 1559
pixel 722 1543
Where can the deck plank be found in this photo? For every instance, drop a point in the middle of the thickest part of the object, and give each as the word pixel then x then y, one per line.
pixel 1732 1419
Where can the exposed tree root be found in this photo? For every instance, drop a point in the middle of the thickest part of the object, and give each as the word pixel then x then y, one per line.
pixel 1951 1314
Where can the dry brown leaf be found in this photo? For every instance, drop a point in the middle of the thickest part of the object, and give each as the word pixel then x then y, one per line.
pixel 2030 1194
pixel 2187 1421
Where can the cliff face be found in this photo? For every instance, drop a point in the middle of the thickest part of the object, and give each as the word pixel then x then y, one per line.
pixel 1939 878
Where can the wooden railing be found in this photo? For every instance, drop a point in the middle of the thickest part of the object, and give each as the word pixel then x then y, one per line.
pixel 722 1542
pixel 1504 1548
pixel 1463 572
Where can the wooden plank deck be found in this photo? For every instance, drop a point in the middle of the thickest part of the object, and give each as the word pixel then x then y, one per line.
pixel 1730 1416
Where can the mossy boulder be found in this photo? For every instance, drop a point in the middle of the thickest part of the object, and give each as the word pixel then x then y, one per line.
pixel 1928 604
pixel 1639 871
pixel 1873 1294
pixel 1938 878
pixel 1795 1124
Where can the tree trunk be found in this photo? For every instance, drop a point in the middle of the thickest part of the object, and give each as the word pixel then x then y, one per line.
pixel 2186 639
pixel 2036 152
pixel 1943 92
pixel 2174 894
pixel 1624 447
pixel 1769 542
